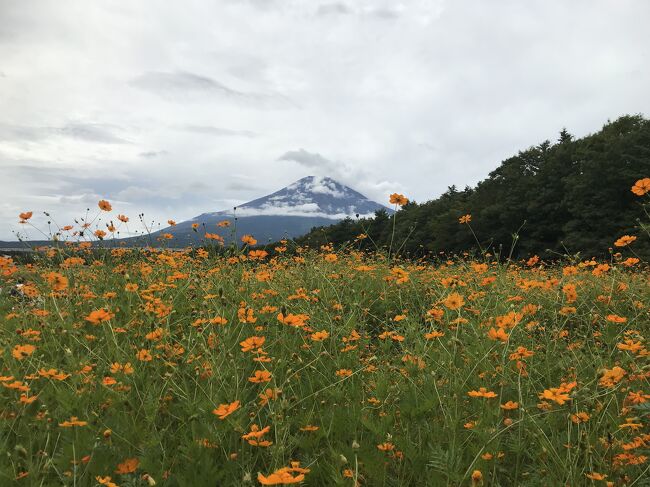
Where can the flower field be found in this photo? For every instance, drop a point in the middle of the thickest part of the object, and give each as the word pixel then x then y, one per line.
pixel 136 367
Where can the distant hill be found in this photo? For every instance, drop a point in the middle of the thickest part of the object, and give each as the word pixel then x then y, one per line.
pixel 288 213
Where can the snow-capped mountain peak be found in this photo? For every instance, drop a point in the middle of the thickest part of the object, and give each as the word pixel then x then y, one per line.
pixel 290 212
pixel 311 196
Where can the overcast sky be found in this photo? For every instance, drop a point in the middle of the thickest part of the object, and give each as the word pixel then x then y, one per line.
pixel 179 108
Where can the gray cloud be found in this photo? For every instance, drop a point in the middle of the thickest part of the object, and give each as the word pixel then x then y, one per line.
pixel 92 132
pixel 308 159
pixel 335 8
pixel 152 154
pixel 361 9
pixel 384 13
pixel 174 83
pixel 217 131
pixel 243 186
pixel 186 86
pixel 89 132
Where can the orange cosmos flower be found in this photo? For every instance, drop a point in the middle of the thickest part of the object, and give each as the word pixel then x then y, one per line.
pixel 100 234
pixel 268 395
pixel 293 320
pixel 225 410
pixel 331 257
pixel 616 319
pixel 482 392
pixel 631 345
pixel 398 199
pixel 57 281
pixel 73 421
pixel 246 315
pixel 257 254
pixel 532 261
pixel 213 236
pixel 223 223
pixel 625 240
pixel 98 316
pixel 400 275
pixel 454 301
pixel 641 187
pixel 252 343
pixel 433 334
pixel 510 405
pixel 256 432
pixel 279 478
pixel 580 417
pixel 600 269
pixel 567 310
pixel 129 465
pixel 477 477
pixel 284 475
pixel 570 292
pixel 596 476
pixel 171 223
pixel 560 394
pixel 25 399
pixel 53 374
pixel 637 397
pixel 218 320
pixel 127 368
pixel 498 334
pixel 123 218
pixel 319 336
pixel 630 261
pixel 344 373
pixel 385 446
pixel 20 352
pixel 144 355
pixel 249 240
pixel 26 215
pixel 465 219
pixel 155 335
pixel 260 376
pixel 104 205
pixel 105 481
pixel 436 313
pixel 612 376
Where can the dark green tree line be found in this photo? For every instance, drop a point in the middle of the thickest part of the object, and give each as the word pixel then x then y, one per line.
pixel 568 196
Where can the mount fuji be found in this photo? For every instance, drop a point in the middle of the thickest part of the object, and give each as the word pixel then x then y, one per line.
pixel 290 212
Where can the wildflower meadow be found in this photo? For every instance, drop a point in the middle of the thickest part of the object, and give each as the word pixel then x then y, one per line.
pixel 243 365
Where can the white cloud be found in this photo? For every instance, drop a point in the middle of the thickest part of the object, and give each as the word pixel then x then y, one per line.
pixel 306 209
